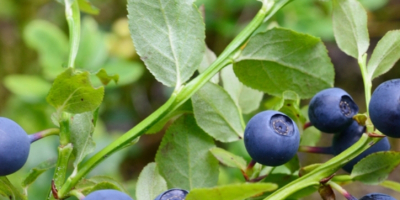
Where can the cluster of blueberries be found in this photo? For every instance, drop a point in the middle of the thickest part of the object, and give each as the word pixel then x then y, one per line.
pixel 172 194
pixel 272 138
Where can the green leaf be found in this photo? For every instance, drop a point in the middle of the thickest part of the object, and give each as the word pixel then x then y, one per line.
pixel 385 55
pixel 376 167
pixel 217 114
pixel 309 168
pixel 37 171
pixel 229 159
pixel 73 92
pixel 168 36
pixel 86 6
pixel 86 186
pixel 127 71
pixel 391 185
pixel 150 183
pixel 373 5
pixel 105 78
pixel 51 44
pixel 92 52
pixel 246 98
pixel 208 58
pixel 293 164
pixel 231 192
pixel 282 60
pixel 29 87
pixel 9 191
pixel 81 129
pixel 184 159
pixel 350 27
pixel 291 107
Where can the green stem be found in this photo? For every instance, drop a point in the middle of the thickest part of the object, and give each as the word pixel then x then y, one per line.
pixel 180 96
pixel 325 170
pixel 42 134
pixel 64 153
pixel 72 14
pixel 362 62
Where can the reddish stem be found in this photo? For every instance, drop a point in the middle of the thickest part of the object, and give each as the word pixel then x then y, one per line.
pixel 306 125
pixel 320 150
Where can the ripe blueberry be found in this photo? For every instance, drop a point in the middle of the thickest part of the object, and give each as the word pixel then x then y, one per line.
pixel 14 146
pixel 384 108
pixel 377 196
pixel 271 138
pixel 172 194
pixel 107 195
pixel 331 110
pixel 351 135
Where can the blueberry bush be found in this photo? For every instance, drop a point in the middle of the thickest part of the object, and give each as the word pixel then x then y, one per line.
pixel 214 101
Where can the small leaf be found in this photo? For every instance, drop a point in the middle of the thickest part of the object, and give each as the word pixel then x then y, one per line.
pixel 29 87
pixel 230 192
pixel 105 78
pixel 246 98
pixel 184 159
pixel 37 171
pixel 229 159
pixel 385 55
pixel 51 44
pixel 9 191
pixel 150 183
pixel 73 92
pixel 282 60
pixel 86 6
pixel 86 186
pixel 217 114
pixel 168 36
pixel 81 129
pixel 350 27
pixel 391 185
pixel 376 167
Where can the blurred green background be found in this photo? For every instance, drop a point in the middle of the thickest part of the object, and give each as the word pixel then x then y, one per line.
pixel 34 47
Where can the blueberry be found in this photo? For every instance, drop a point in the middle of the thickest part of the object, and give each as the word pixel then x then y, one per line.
pixel 377 196
pixel 107 195
pixel 14 146
pixel 271 138
pixel 351 135
pixel 332 110
pixel 384 108
pixel 172 194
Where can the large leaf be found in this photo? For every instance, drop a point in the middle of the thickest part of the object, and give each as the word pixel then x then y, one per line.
pixel 81 129
pixel 168 36
pixel 9 191
pixel 184 159
pixel 37 171
pixel 72 92
pixel 246 98
pixel 376 167
pixel 150 183
pixel 51 44
pixel 350 27
pixel 231 192
pixel 385 55
pixel 282 60
pixel 217 114
pixel 229 159
pixel 29 87
pixel 87 186
pixel 208 58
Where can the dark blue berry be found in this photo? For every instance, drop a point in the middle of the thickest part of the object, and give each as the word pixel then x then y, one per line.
pixel 384 108
pixel 107 195
pixel 332 110
pixel 14 146
pixel 173 194
pixel 351 135
pixel 377 196
pixel 271 138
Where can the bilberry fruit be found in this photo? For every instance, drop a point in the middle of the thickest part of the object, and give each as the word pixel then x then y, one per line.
pixel 271 138
pixel 384 108
pixel 377 196
pixel 332 110
pixel 172 194
pixel 351 135
pixel 107 194
pixel 14 146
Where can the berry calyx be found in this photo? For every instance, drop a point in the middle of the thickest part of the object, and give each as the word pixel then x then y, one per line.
pixel 271 138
